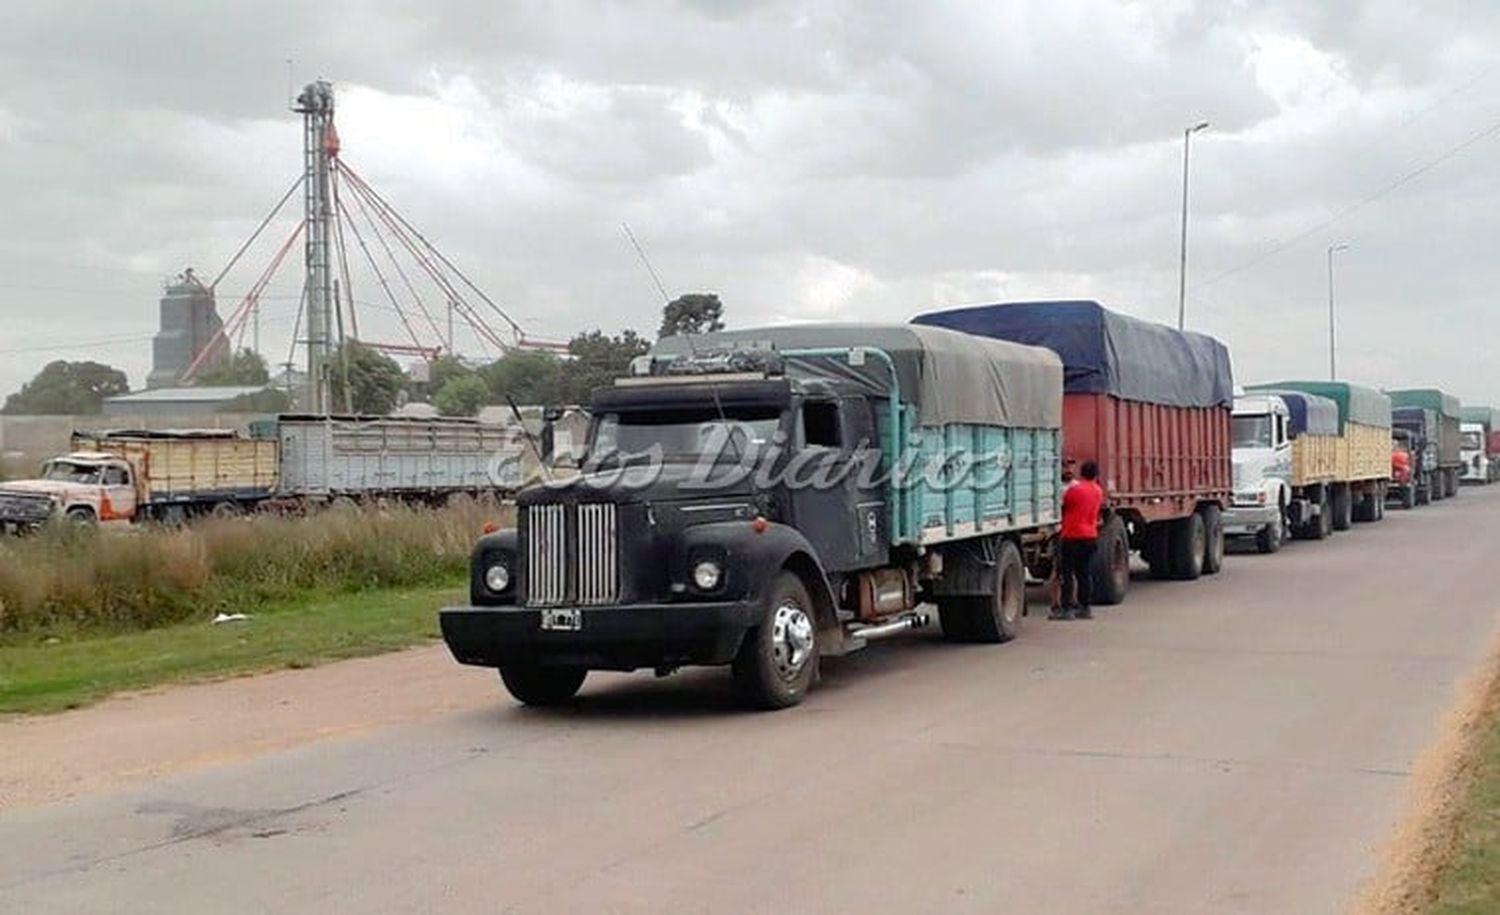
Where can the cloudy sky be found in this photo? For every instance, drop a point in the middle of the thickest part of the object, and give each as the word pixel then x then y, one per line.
pixel 841 160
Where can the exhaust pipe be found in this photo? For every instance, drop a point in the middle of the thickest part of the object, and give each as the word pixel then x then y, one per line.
pixel 896 626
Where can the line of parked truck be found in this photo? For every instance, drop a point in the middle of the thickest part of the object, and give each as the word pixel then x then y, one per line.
pixel 865 505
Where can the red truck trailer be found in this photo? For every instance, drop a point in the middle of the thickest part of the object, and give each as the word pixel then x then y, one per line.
pixel 1151 406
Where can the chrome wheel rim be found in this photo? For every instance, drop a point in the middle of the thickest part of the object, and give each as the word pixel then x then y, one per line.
pixel 791 640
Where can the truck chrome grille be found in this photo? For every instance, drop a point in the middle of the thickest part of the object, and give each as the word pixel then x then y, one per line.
pixel 572 555
pixel 595 567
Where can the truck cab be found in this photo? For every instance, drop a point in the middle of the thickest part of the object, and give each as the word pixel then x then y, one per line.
pixel 1474 451
pixel 83 487
pixel 1262 459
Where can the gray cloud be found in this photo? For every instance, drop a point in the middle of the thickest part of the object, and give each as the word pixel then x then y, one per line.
pixel 805 160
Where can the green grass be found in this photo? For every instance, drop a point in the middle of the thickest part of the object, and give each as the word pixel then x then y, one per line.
pixel 49 674
pixel 1471 885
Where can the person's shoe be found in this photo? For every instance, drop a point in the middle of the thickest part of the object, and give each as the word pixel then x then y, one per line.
pixel 1083 613
pixel 1059 613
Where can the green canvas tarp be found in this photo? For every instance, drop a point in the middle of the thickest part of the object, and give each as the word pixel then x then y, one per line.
pixel 1428 399
pixel 1356 403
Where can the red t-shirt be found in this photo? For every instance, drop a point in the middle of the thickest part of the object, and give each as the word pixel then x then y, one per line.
pixel 1081 504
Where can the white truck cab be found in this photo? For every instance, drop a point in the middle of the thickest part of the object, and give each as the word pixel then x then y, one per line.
pixel 84 487
pixel 1262 455
pixel 1476 468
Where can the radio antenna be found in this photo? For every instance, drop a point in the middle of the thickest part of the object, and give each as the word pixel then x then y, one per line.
pixel 646 262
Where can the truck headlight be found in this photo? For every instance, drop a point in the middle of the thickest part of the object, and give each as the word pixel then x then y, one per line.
pixel 497 577
pixel 707 574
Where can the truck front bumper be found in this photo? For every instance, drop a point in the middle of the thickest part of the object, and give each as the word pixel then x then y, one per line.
pixel 607 638
pixel 1246 521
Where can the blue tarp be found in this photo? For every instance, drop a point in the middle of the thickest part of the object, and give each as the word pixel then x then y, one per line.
pixel 1104 352
pixel 1310 414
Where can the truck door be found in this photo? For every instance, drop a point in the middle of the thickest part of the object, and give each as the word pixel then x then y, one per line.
pixel 119 500
pixel 843 524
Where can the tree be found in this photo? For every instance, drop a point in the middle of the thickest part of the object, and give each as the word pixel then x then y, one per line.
pixel 528 378
pixel 599 359
pixel 375 380
pixel 270 400
pixel 692 313
pixel 246 367
pixel 462 395
pixel 68 387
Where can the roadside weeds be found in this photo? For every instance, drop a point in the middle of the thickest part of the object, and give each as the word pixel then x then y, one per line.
pixel 1444 856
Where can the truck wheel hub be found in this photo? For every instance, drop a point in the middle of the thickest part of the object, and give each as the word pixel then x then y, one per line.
pixel 791 639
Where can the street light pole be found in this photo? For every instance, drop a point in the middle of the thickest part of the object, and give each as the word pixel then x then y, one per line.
pixel 1187 138
pixel 1332 364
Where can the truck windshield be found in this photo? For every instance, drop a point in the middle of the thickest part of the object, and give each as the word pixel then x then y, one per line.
pixel 68 472
pixel 687 432
pixel 1471 441
pixel 1252 431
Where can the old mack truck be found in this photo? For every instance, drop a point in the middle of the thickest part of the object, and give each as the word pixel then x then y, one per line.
pixel 764 498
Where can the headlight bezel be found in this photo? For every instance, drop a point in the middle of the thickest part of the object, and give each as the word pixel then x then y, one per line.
pixel 707 574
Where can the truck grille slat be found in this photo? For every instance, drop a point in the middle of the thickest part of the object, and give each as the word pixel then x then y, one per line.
pixel 572 555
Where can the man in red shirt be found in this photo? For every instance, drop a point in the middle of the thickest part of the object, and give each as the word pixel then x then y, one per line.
pixel 1081 505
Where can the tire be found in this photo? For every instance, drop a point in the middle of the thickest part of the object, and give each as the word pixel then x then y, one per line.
pixel 1157 549
pixel 1452 483
pixel 1409 497
pixel 1379 497
pixel 1270 538
pixel 1213 546
pixel 1110 570
pixel 1187 542
pixel 226 509
pixel 778 660
pixel 543 686
pixel 1343 508
pixel 954 615
pixel 996 618
pixel 81 515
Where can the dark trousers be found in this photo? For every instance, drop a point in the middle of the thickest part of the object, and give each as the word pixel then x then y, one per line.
pixel 1076 556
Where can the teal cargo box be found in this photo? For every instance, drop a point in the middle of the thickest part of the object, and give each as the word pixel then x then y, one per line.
pixel 1358 404
pixel 1428 399
pixel 970 428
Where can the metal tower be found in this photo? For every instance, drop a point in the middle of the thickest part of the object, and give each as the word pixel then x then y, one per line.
pixel 320 146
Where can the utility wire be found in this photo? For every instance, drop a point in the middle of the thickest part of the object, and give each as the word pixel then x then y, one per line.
pixel 1407 178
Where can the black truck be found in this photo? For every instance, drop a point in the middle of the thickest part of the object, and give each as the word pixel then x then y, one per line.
pixel 763 498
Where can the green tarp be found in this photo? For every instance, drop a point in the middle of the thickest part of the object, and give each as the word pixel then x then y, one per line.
pixel 1356 403
pixel 1488 417
pixel 1427 399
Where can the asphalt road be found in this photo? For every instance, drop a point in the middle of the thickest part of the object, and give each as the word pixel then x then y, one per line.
pixel 1239 744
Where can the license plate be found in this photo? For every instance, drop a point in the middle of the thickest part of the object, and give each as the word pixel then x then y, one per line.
pixel 562 620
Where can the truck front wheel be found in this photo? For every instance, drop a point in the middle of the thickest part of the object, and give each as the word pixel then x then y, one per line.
pixel 542 685
pixel 81 516
pixel 1270 538
pixel 779 658
pixel 1110 570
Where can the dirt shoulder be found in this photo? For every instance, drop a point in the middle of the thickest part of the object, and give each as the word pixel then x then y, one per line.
pixel 1430 833
pixel 133 738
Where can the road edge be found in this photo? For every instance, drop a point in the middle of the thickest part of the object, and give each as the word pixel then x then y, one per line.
pixel 1427 837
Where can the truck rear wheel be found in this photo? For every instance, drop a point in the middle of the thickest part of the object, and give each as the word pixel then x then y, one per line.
pixel 1110 570
pixel 1187 543
pixel 1343 508
pixel 779 658
pixel 1409 496
pixel 1157 548
pixel 542 685
pixel 1213 553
